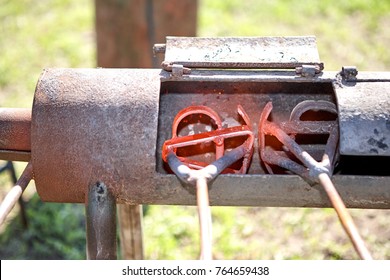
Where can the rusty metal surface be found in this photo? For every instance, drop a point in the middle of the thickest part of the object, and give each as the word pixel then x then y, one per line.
pixel 93 125
pixel 244 52
pixel 15 125
pixel 364 115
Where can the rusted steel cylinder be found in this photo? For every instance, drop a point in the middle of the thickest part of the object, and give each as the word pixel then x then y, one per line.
pixel 91 125
pixel 108 125
pixel 15 127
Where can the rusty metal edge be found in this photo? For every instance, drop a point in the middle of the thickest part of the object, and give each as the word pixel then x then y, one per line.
pixel 15 155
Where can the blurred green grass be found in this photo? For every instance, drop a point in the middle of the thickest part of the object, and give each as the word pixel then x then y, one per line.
pixel 348 32
pixel 40 34
pixel 59 33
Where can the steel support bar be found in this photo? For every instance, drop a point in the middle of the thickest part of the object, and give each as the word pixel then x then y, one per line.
pixel 15 127
pixel 101 223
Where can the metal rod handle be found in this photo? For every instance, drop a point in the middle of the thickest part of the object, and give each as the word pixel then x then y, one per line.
pixel 204 214
pixel 14 194
pixel 344 216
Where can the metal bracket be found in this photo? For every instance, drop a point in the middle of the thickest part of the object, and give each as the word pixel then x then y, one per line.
pixel 349 72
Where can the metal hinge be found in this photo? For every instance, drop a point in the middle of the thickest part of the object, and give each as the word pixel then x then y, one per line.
pixel 177 69
pixel 308 70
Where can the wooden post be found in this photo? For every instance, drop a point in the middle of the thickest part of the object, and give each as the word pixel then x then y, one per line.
pixel 126 31
pixel 130 219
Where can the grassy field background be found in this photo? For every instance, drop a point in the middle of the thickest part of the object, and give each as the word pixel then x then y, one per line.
pixel 60 33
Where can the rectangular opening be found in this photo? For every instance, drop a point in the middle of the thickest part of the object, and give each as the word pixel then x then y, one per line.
pixel 224 97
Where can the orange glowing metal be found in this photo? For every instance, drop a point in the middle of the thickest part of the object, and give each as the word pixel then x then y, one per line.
pixel 310 169
pixel 217 136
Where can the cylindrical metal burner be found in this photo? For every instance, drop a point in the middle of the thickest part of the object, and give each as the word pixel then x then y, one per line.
pixel 91 125
pixel 109 125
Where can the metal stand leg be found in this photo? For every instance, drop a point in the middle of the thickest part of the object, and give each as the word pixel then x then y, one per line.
pixel 101 223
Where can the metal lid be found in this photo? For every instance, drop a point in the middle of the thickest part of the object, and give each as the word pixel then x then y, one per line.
pixel 242 52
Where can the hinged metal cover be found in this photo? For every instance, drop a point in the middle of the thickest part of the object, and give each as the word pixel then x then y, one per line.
pixel 243 52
